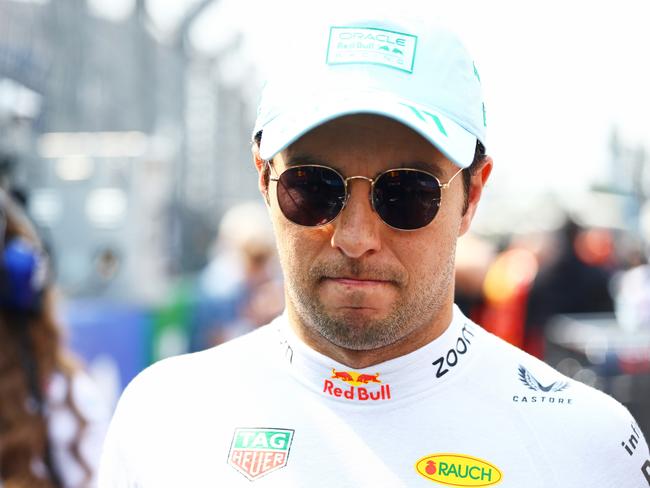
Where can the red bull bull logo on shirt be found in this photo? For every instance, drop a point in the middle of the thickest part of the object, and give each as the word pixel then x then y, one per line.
pixel 362 386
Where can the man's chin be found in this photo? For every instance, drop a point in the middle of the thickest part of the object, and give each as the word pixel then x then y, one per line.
pixel 357 329
pixel 357 318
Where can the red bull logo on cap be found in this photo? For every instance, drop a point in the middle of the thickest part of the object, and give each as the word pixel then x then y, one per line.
pixel 362 386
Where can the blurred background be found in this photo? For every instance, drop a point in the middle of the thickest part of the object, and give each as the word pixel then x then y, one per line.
pixel 125 129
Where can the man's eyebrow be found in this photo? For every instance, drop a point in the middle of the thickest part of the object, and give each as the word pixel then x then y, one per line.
pixel 300 159
pixel 430 167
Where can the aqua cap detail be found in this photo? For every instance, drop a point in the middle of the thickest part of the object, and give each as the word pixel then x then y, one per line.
pixel 413 71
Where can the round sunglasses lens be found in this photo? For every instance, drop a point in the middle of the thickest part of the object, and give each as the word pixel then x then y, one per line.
pixel 310 195
pixel 407 199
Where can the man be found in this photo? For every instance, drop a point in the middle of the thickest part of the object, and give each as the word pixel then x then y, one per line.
pixel 371 377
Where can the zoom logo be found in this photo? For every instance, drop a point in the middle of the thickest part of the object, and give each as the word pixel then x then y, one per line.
pixel 445 363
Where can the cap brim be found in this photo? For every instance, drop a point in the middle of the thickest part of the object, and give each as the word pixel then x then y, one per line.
pixel 452 140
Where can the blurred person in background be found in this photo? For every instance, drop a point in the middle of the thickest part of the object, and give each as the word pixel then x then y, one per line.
pixel 52 422
pixel 474 257
pixel 514 293
pixel 632 286
pixel 241 287
pixel 494 286
pixel 506 288
pixel 573 279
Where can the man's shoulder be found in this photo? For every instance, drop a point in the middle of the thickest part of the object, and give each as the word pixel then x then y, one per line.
pixel 175 399
pixel 520 367
pixel 534 377
pixel 567 417
pixel 188 372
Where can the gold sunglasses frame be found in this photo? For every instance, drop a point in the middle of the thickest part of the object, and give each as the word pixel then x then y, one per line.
pixel 442 186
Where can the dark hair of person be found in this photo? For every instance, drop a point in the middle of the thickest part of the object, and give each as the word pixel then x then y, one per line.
pixel 24 428
pixel 479 156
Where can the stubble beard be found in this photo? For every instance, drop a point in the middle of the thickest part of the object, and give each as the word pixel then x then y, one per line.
pixel 414 308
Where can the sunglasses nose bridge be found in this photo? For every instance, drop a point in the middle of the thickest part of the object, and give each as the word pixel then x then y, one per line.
pixel 347 189
pixel 369 180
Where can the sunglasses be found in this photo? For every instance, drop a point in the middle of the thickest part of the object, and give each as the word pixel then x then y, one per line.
pixel 405 199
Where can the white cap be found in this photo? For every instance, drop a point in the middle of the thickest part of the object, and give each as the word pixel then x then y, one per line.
pixel 411 70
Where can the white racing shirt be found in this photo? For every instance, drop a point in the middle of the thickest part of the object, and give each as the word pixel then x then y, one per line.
pixel 465 410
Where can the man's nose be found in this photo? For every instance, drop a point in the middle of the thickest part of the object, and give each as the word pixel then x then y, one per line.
pixel 357 228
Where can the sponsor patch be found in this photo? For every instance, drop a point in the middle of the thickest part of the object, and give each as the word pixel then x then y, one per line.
pixel 355 386
pixel 531 382
pixel 256 452
pixel 458 470
pixel 633 441
pixel 445 363
pixel 365 45
pixel 546 394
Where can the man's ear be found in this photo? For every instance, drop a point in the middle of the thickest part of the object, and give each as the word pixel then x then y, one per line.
pixel 477 183
pixel 262 172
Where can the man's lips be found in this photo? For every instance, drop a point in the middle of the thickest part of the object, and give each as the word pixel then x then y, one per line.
pixel 348 281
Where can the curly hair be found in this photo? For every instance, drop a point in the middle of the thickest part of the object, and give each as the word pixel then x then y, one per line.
pixel 23 426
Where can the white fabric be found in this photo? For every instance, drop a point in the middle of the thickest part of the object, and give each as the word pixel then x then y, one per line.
pixel 63 427
pixel 466 393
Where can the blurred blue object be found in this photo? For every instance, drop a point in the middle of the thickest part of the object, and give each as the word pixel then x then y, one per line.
pixel 101 330
pixel 23 272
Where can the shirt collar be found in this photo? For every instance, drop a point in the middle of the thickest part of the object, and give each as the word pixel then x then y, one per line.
pixel 420 372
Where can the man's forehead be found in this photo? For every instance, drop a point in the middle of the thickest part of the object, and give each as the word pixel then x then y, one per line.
pixel 399 145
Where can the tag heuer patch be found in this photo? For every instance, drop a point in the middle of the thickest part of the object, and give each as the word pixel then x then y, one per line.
pixel 256 452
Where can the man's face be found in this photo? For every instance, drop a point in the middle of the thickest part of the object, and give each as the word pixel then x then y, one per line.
pixel 356 282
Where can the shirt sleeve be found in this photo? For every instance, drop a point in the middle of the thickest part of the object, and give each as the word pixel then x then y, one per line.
pixel 635 450
pixel 129 457
pixel 616 453
pixel 116 468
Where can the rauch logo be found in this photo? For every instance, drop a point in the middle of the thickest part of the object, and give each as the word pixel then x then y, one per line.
pixel 258 452
pixel 458 470
pixel 359 388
